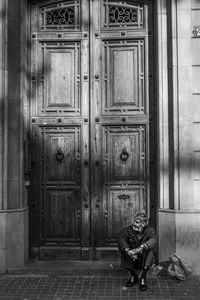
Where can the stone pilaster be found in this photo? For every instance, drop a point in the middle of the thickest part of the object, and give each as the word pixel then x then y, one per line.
pixel 13 207
pixel 162 99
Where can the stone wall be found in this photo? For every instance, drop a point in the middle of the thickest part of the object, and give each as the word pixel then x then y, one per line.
pixel 13 206
pixel 178 98
pixel 179 205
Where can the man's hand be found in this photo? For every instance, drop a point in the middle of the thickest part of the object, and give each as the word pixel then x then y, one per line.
pixel 135 252
pixel 140 249
pixel 132 253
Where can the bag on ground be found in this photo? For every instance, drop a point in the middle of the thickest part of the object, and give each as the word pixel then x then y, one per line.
pixel 178 268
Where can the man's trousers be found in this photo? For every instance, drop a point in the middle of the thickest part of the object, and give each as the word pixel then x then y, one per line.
pixel 146 259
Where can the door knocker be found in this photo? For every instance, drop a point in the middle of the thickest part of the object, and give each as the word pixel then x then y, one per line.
pixel 124 155
pixel 59 155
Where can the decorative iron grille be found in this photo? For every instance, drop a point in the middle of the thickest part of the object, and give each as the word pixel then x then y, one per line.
pixel 63 16
pixel 122 15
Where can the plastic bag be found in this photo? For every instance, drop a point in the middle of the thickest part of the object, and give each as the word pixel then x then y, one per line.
pixel 178 268
pixel 156 269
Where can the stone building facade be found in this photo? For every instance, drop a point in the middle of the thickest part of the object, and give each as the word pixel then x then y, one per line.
pixel 172 85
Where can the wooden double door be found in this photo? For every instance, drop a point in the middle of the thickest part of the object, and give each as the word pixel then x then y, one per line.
pixel 91 124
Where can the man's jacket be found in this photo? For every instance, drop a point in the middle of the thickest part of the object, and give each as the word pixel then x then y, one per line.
pixel 129 238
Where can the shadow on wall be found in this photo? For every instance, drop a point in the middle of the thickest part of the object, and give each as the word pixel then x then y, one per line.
pixel 21 87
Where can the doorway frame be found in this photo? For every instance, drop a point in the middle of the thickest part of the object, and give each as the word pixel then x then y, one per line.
pixel 88 251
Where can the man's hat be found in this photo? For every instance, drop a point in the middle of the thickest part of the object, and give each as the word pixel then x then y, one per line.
pixel 141 215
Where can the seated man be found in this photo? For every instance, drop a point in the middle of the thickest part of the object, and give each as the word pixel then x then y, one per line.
pixel 137 246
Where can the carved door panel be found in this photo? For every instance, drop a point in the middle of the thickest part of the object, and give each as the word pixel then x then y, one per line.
pixel 121 96
pixel 89 124
pixel 60 203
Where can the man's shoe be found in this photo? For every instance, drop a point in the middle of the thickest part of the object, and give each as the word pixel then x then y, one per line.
pixel 132 280
pixel 143 284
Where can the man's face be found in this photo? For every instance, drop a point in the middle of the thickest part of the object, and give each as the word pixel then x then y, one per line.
pixel 139 224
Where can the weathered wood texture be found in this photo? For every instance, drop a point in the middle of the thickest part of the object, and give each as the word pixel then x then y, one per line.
pixel 89 122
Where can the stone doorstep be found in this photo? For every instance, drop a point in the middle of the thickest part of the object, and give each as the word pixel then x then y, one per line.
pixel 64 268
pixel 72 267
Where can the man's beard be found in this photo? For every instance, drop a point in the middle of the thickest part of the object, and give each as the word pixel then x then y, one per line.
pixel 138 228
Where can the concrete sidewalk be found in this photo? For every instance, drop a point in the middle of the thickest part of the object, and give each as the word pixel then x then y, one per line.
pixel 89 280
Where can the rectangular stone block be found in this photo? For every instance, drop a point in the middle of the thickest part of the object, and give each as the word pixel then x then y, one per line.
pixel 196 136
pixel 185 92
pixel 14 8
pixel 184 25
pixel 2 260
pixel 16 235
pixel 195 4
pixel 2 231
pixel 196 108
pixel 14 29
pixel 166 225
pixel 13 57
pixel 183 6
pixel 179 232
pixel 13 152
pixel 13 200
pixel 195 51
pixel 188 238
pixel 185 55
pixel 186 188
pixel 13 169
pixel 14 238
pixel 196 166
pixel 186 138
pixel 13 84
pixel 14 114
pixel 195 18
pixel 196 79
pixel 195 203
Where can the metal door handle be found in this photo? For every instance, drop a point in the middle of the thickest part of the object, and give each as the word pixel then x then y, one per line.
pixel 124 155
pixel 60 155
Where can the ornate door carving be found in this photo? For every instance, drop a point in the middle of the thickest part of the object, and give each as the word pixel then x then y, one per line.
pixel 121 93
pixel 89 123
